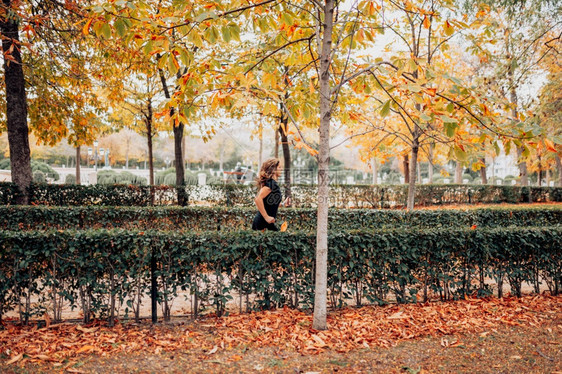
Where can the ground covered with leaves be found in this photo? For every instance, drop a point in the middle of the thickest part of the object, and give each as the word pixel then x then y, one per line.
pixel 472 335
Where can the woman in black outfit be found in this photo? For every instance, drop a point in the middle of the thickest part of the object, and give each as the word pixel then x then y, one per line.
pixel 269 196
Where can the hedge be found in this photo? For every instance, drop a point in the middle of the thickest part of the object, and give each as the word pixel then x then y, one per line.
pixel 342 196
pixel 104 273
pixel 240 218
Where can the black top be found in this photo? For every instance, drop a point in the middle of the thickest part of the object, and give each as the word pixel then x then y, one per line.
pixel 271 203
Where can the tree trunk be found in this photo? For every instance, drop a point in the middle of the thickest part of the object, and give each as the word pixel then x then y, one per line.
pixel 16 104
pixel 547 176
pixel 78 165
pixel 523 173
pixel 412 180
pixel 180 171
pixel 483 175
pixel 458 173
pixel 559 168
pixel 539 172
pixel 375 171
pixel 178 149
pixel 430 170
pixel 276 148
pixel 321 281
pixel 260 155
pixel 406 164
pixel 286 154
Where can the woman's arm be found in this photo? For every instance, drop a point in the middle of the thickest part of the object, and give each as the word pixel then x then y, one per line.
pixel 262 194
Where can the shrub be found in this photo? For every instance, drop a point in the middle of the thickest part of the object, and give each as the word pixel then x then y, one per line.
pixel 39 177
pixel 93 268
pixel 70 179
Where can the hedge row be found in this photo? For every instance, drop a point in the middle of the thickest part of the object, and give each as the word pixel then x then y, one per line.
pixel 342 196
pixel 239 218
pixel 105 273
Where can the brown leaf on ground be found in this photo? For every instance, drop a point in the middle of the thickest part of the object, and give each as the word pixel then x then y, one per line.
pixel 349 330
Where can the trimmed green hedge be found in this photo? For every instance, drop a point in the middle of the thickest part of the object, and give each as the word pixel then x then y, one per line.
pixel 95 270
pixel 341 196
pixel 210 219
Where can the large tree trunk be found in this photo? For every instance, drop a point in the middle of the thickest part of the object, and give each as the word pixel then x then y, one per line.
pixel 458 172
pixel 16 104
pixel 180 171
pixel 412 179
pixel 286 154
pixel 483 175
pixel 321 281
pixel 539 173
pixel 430 161
pixel 78 165
pixel 406 165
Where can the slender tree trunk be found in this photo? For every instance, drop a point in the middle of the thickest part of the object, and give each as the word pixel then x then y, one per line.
pixel 127 148
pixel 286 154
pixel 321 282
pixel 483 175
pixel 430 170
pixel 78 165
pixel 412 180
pixel 539 172
pixel 276 148
pixel 260 155
pixel 16 104
pixel 523 173
pixel 406 164
pixel 178 149
pixel 458 173
pixel 375 171
pixel 559 168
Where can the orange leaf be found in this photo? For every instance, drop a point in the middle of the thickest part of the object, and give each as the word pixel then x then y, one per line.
pixel 85 349
pixel 284 226
pixel 86 29
pixel 426 22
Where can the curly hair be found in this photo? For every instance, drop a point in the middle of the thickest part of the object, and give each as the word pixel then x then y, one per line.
pixel 267 171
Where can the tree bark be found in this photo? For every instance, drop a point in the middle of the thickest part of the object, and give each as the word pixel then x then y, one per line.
pixel 321 282
pixel 523 173
pixel 559 168
pixel 276 148
pixel 458 173
pixel 16 105
pixel 413 172
pixel 178 149
pixel 483 175
pixel 430 161
pixel 375 171
pixel 406 164
pixel 78 165
pixel 286 154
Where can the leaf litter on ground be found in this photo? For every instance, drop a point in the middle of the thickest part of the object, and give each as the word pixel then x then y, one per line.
pixel 349 329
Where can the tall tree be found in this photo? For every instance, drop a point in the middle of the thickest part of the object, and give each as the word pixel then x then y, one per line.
pixel 16 101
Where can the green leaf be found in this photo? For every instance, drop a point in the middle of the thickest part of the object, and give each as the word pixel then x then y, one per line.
pixel 385 109
pixel 205 15
pixel 121 27
pixel 460 154
pixel 424 117
pixel 225 31
pixel 447 119
pixel 414 87
pixel 450 129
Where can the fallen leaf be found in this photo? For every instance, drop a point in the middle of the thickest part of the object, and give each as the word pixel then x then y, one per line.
pixel 85 349
pixel 284 226
pixel 214 350
pixel 515 357
pixel 15 359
